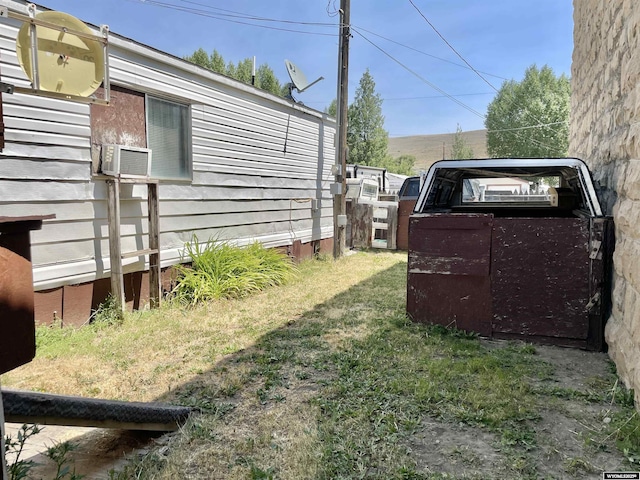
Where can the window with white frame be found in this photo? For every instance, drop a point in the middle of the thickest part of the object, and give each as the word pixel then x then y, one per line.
pixel 169 137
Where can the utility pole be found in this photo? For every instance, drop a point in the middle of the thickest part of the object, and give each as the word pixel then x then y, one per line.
pixel 339 197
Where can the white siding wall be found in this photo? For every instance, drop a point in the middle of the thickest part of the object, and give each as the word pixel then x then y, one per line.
pixel 257 161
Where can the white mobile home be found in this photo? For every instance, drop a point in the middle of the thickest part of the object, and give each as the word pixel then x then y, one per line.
pixel 234 162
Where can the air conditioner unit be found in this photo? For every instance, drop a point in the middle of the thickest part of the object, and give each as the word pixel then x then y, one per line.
pixel 127 162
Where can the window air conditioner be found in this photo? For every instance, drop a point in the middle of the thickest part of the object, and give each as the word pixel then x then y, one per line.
pixel 123 161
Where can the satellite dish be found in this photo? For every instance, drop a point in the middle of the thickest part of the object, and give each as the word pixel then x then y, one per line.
pixel 66 63
pixel 298 79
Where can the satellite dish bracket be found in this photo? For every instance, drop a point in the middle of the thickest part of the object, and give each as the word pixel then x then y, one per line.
pixel 298 80
pixel 31 19
pixel 312 83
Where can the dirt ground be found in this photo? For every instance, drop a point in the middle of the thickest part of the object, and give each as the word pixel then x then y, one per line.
pixel 449 450
pixel 98 450
pixel 561 453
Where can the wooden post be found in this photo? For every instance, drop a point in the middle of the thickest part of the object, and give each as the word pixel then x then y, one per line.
pixel 392 230
pixel 154 244
pixel 362 225
pixel 340 200
pixel 115 251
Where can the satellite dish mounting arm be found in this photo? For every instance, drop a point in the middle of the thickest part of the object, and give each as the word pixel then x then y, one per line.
pixel 312 83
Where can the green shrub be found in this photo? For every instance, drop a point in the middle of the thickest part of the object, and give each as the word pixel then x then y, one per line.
pixel 222 270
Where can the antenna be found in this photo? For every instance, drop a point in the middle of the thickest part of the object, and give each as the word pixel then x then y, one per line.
pixel 298 79
pixel 61 55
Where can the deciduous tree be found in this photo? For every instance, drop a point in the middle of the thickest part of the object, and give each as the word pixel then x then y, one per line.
pixel 266 80
pixel 199 57
pixel 265 77
pixel 530 118
pixel 402 165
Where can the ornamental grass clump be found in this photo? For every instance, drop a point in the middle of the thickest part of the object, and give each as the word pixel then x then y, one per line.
pixel 222 270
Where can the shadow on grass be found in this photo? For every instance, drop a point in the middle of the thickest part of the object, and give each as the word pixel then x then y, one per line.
pixel 337 391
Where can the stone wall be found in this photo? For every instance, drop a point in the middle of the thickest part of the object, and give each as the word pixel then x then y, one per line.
pixel 605 132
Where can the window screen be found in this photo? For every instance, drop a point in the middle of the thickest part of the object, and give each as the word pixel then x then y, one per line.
pixel 169 137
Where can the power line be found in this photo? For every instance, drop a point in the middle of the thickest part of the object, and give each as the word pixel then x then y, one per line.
pixel 500 130
pixel 335 12
pixel 234 14
pixel 428 97
pixel 425 53
pixel 478 73
pixel 528 127
pixel 436 96
pixel 451 97
pixel 222 18
pixel 451 46
pixel 533 140
pixel 438 89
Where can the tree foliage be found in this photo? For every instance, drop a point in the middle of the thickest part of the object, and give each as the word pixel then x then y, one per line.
pixel 460 150
pixel 217 63
pixel 200 57
pixel 265 77
pixel 402 165
pixel 541 100
pixel 332 109
pixel 366 137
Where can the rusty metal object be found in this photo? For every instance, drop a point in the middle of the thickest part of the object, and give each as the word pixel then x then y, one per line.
pixel 448 271
pixel 540 277
pixel 121 122
pixel 546 260
pixel 405 207
pixel 17 327
pixel 543 280
pixel 17 338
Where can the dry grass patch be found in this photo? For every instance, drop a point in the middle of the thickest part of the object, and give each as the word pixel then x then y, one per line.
pixel 152 353
pixel 326 378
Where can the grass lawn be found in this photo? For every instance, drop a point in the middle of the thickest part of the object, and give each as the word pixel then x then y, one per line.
pixel 326 378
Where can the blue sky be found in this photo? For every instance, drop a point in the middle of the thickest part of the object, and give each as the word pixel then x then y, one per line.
pixel 499 38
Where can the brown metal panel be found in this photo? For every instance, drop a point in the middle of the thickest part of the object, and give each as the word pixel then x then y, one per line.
pixel 461 301
pixel 76 303
pixel 101 291
pixel 448 279
pixel 47 305
pixel 133 289
pixel 542 339
pixel 121 122
pixel 450 244
pixel 405 208
pixel 540 276
pixel 17 328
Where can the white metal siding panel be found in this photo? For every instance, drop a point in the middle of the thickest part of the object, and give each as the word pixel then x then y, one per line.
pixel 257 162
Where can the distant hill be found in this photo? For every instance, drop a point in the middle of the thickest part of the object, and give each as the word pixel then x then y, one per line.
pixel 428 148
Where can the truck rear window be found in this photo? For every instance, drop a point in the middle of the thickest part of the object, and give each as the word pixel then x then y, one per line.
pixel 508 189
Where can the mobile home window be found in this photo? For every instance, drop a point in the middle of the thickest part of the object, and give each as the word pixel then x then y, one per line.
pixel 169 137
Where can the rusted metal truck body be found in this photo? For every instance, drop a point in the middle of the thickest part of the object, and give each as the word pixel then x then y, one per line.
pixel 511 248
